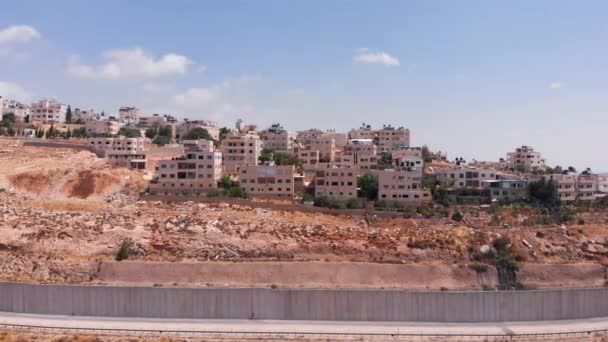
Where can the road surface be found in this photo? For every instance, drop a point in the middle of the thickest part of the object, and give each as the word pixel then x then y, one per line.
pixel 263 327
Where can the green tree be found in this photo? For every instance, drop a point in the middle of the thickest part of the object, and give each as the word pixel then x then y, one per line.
pixel 368 183
pixel 223 132
pixel 426 154
pixel 129 132
pixel 68 134
pixel 265 156
pixel 166 131
pixel 68 115
pixel 226 182
pixel 8 119
pixel 161 140
pixel 197 133
pixel 151 133
pixel 544 192
pixel 386 160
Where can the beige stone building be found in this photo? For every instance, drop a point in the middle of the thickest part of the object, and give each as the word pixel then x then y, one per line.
pixel 197 171
pixel 388 138
pixel 271 181
pixel 128 115
pixel 528 158
pixel 338 183
pixel 358 153
pixel 325 145
pixel 183 128
pixel 121 151
pixel 507 189
pixel 240 149
pixel 465 177
pixel 109 126
pixel 277 138
pixel 308 156
pixel 48 110
pixel 402 186
pixel 573 187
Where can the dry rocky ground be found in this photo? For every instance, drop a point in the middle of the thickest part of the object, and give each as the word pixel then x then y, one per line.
pixel 64 212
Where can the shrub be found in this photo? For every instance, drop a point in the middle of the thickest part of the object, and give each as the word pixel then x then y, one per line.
pixel 353 203
pixel 457 216
pixel 308 198
pixel 226 182
pixel 501 244
pixel 124 250
pixel 321 201
pixel 217 193
pixel 161 140
pixel 479 268
pixel 237 191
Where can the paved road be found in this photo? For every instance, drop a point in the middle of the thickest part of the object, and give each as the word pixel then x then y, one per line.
pixel 304 327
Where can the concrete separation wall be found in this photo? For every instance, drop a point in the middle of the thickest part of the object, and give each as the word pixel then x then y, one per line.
pixel 303 304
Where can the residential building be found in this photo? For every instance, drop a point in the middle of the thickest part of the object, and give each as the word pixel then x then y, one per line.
pixel 582 187
pixel 527 158
pixel 109 126
pixel 277 138
pixel 197 171
pixel 411 162
pixel 388 139
pixel 242 127
pixel 308 156
pixel 154 120
pixel 121 151
pixel 337 183
pixel 128 115
pixel 82 116
pixel 359 153
pixel 183 128
pixel 240 149
pixel 21 111
pixel 507 189
pixel 325 145
pixel 402 186
pixel 48 110
pixel 268 180
pixel 465 177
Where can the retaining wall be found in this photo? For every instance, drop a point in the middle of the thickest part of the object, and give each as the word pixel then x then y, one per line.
pixel 303 304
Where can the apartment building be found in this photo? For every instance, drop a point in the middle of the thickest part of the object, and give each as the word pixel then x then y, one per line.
pixel 359 153
pixel 242 127
pixel 337 183
pixel 153 120
pixel 526 157
pixel 197 171
pixel 465 177
pixel 277 138
pixel 506 189
pixel 240 149
pixel 274 181
pixel 183 128
pixel 309 157
pixel 326 147
pixel 402 186
pixel 21 111
pixel 411 162
pixel 121 151
pixel 109 126
pixel 82 116
pixel 128 115
pixel 48 110
pixel 388 139
pixel 583 187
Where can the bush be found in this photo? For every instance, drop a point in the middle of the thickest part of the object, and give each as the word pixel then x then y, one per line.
pixel 321 201
pixel 457 216
pixel 479 268
pixel 161 140
pixel 217 193
pixel 226 182
pixel 501 244
pixel 124 250
pixel 353 203
pixel 237 191
pixel 308 198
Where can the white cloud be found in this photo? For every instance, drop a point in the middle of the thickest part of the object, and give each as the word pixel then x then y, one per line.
pixel 214 102
pixel 129 64
pixel 556 85
pixel 13 91
pixel 18 34
pixel 364 55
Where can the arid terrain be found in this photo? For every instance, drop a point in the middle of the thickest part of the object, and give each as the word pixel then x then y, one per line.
pixel 64 213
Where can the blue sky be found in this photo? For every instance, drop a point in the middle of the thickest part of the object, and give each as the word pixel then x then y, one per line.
pixel 473 78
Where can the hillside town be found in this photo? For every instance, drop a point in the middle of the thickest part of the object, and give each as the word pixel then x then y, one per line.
pixel 362 168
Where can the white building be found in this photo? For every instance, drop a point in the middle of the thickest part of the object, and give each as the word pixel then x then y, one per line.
pixel 121 151
pixel 48 110
pixel 20 110
pixel 109 126
pixel 527 158
pixel 128 115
